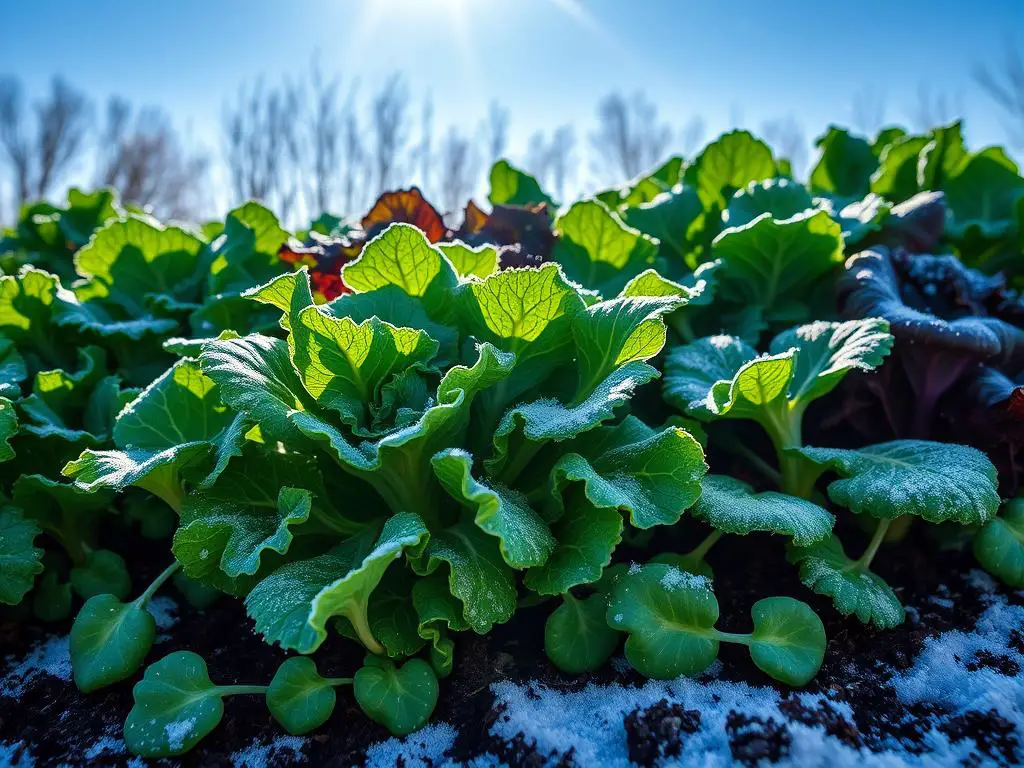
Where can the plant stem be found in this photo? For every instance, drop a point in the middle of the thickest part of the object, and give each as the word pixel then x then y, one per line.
pixel 731 637
pixel 158 582
pixel 698 553
pixel 362 628
pixel 236 690
pixel 732 444
pixel 876 541
pixel 336 681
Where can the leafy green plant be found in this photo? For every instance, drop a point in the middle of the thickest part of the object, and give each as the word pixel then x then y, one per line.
pixel 999 545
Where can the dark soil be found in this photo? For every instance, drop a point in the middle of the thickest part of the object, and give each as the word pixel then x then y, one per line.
pixel 59 724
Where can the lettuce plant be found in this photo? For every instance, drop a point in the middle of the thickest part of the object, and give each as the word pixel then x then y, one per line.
pixel 999 544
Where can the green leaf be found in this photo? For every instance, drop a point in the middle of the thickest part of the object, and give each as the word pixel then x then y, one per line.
pixel 599 250
pixel 130 259
pixel 176 706
pixel 577 638
pixel 293 604
pixel 727 164
pixel 670 616
pixel 943 157
pixel 8 428
pixel 586 536
pixel 999 545
pixel 825 569
pixel 653 476
pixel 674 218
pixel 935 481
pixel 12 369
pixel 730 505
pixel 30 304
pixel 437 611
pixel 826 352
pixel 66 512
pixel 480 261
pixel 401 699
pixel 199 595
pixel 984 194
pixel 245 253
pixel 896 178
pixel 477 574
pixel 523 536
pixel 788 641
pixel 845 165
pixel 20 559
pixel 391 622
pixel 109 641
pixel 768 261
pixel 510 186
pixel 782 198
pixel 104 572
pixel 298 698
pixel 51 599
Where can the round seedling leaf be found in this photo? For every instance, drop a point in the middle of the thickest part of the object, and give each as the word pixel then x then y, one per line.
pixel 109 641
pixel 51 600
pixel 670 616
pixel 576 636
pixel 399 698
pixel 999 545
pixel 176 705
pixel 103 573
pixel 788 641
pixel 298 698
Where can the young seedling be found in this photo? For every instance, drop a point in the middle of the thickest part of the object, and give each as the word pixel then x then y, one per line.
pixel 176 706
pixel 934 481
pixel 110 639
pixel 670 617
pixel 299 698
pixel 722 377
pixel 999 545
pixel 577 638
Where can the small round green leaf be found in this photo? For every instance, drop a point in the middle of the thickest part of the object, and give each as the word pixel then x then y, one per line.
pixel 176 705
pixel 198 594
pixel 576 636
pixel 103 573
pixel 298 698
pixel 999 545
pixel 788 641
pixel 109 641
pixel 401 699
pixel 670 616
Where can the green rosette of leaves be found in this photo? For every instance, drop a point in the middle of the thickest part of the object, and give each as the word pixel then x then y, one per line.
pixel 450 450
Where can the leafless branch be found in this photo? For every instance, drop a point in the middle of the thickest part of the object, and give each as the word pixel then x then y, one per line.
pixel 629 138
pixel 1005 86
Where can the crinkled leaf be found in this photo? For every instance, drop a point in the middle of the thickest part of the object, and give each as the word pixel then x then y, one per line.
pixel 935 481
pixel 730 505
pixel 245 253
pixel 586 536
pixel 404 205
pixel 782 198
pixel 20 559
pixel 674 218
pixel 8 428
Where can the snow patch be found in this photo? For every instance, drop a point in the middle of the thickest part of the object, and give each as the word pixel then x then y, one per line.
pixel 50 657
pixel 424 748
pixel 16 755
pixel 164 611
pixel 258 755
pixel 108 744
pixel 178 731
pixel 675 578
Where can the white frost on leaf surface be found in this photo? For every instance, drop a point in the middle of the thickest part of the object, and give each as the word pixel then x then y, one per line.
pixel 422 749
pixel 49 657
pixel 259 755
pixel 178 731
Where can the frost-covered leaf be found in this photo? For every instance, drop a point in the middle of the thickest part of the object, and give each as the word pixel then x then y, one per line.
pixel 935 481
pixel 782 198
pixel 674 218
pixel 670 618
pixel 8 428
pixel 825 569
pixel 732 506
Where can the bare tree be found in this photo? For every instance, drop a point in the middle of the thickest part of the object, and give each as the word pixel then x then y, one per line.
pixel 325 126
pixel 932 109
pixel 261 146
pixel 692 135
pixel 355 160
pixel 145 161
pixel 457 169
pixel 867 111
pixel 787 136
pixel 1005 85
pixel 424 151
pixel 41 149
pixel 553 161
pixel 496 132
pixel 389 133
pixel 629 138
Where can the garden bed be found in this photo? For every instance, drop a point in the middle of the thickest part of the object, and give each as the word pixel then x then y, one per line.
pixel 945 687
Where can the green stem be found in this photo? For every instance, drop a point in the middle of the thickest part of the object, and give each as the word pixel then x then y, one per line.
pixel 864 562
pixel 158 582
pixel 730 443
pixel 785 427
pixel 336 681
pixel 237 690
pixel 362 628
pixel 731 637
pixel 700 551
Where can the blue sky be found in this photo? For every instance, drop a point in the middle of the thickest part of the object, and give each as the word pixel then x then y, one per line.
pixel 548 61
